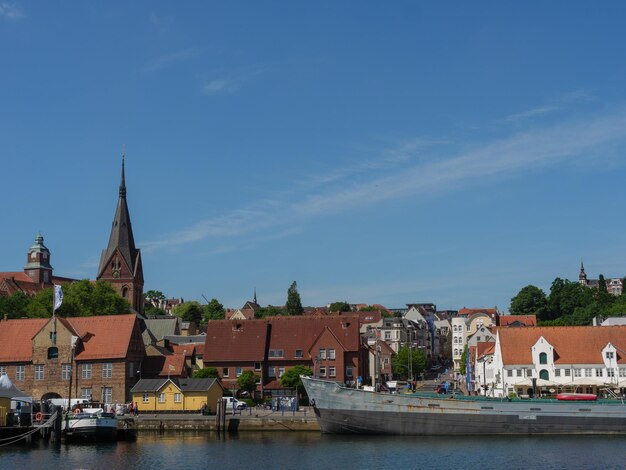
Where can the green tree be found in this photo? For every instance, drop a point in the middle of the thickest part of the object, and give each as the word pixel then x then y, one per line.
pixel 206 373
pixel 247 381
pixel 214 310
pixel 408 361
pixel 269 311
pixel 463 362
pixel 15 306
pixel 154 295
pixel 339 307
pixel 293 305
pixel 291 378
pixel 189 311
pixel 529 301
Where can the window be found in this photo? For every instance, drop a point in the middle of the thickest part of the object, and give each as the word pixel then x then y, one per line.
pixel 161 397
pixel 609 354
pixel 299 353
pixel 276 353
pixel 332 372
pixel 238 371
pixel 225 372
pixel 107 371
pixel 610 372
pixel 349 371
pixel 518 372
pixel 588 373
pixel 386 361
pixel 39 372
pixel 107 395
pixel 387 335
pixel 543 374
pixel 557 372
pixel 85 393
pixel 529 372
pixel 146 398
pixel 577 372
pixel 131 370
pixel 3 370
pixel 567 372
pixel 322 354
pixel 598 372
pixel 20 372
pixel 543 358
pixel 509 373
pixel 85 371
pixel 177 398
pixel 53 353
pixel 271 372
pixel 322 371
pixel 622 372
pixel 331 354
pixel 257 366
pixel 281 371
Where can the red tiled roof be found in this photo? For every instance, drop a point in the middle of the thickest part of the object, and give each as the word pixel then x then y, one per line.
pixel 485 349
pixel 199 349
pixel 16 338
pixel 109 336
pixel 187 349
pixel 471 311
pixel 162 366
pixel 572 344
pixel 235 340
pixel 291 333
pixel 526 320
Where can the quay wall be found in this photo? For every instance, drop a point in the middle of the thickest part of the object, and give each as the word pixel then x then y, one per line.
pixel 277 422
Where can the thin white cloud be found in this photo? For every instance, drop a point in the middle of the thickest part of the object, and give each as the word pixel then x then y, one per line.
pixel 233 81
pixel 168 60
pixel 531 113
pixel 9 11
pixel 514 155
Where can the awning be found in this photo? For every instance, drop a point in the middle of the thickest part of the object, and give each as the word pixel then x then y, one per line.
pixel 7 389
pixel 540 383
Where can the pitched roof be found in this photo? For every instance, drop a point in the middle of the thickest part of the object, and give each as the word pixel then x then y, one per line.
pixel 184 385
pixel 522 320
pixel 163 366
pixel 235 340
pixel 164 326
pixel 197 385
pixel 16 338
pixel 572 344
pixel 149 385
pixel 103 337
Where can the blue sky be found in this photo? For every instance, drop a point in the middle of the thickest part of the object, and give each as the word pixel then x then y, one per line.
pixel 439 152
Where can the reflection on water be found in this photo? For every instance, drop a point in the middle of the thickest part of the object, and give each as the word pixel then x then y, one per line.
pixel 312 450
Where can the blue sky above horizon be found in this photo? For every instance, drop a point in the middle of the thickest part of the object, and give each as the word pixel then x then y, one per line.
pixel 446 153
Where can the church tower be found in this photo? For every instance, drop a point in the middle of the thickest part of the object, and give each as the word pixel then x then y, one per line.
pixel 120 263
pixel 38 263
pixel 582 277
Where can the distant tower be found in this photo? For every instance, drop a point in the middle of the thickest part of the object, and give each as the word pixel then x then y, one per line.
pixel 120 263
pixel 582 277
pixel 255 296
pixel 38 262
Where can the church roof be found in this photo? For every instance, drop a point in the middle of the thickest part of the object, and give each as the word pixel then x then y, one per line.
pixel 121 237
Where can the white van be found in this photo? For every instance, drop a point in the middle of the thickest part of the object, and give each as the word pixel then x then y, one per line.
pixel 232 403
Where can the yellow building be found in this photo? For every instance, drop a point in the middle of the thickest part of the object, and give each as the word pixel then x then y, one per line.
pixel 177 395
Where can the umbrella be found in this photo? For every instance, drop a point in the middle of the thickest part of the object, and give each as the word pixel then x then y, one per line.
pixel 8 390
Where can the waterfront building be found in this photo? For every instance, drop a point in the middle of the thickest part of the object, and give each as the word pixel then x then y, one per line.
pixel 465 325
pixel 329 344
pixel 550 359
pixel 101 354
pixel 177 395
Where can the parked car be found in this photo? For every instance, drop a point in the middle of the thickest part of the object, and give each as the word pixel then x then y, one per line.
pixel 233 403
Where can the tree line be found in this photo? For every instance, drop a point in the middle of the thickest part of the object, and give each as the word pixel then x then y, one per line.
pixel 568 303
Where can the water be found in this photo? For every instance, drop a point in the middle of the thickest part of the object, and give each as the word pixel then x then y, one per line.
pixel 302 450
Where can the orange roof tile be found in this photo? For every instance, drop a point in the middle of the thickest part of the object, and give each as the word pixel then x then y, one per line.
pixel 572 344
pixel 109 337
pixel 16 338
pixel 526 320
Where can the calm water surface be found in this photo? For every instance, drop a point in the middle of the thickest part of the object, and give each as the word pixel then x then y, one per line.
pixel 300 450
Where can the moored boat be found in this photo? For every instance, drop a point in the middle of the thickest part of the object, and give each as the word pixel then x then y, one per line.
pixel 342 409
pixel 90 424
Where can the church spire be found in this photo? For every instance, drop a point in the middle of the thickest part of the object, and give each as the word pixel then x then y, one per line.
pixel 123 181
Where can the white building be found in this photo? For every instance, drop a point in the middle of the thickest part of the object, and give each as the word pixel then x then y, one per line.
pixel 552 359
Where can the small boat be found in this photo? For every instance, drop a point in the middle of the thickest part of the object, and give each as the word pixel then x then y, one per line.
pixel 90 424
pixel 577 397
pixel 341 409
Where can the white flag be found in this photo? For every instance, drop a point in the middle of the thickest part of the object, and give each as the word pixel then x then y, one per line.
pixel 58 297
